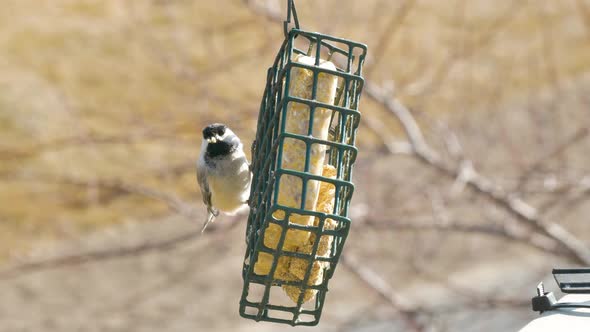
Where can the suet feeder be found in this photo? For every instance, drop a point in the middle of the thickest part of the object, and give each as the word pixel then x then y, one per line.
pixel 302 163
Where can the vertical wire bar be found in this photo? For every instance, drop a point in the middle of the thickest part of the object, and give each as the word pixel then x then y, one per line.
pixel 318 52
pixel 340 163
pixel 304 180
pixel 336 198
pixel 311 260
pixel 284 105
pixel 275 261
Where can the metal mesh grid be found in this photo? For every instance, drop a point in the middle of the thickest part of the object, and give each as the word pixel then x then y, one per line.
pixel 258 300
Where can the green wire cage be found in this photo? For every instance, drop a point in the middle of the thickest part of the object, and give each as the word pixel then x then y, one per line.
pixel 293 246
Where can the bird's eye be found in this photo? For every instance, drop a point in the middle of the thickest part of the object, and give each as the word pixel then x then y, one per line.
pixel 221 131
pixel 207 133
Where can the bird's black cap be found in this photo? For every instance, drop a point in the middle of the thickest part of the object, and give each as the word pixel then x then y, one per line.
pixel 214 129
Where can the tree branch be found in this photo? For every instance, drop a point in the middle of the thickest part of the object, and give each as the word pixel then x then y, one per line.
pixel 502 231
pixel 575 249
pixel 535 166
pixel 372 280
pixel 175 204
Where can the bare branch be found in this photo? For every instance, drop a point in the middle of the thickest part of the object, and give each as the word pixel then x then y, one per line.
pixel 518 208
pixel 174 203
pixel 170 279
pixel 578 136
pixel 99 255
pixel 435 82
pixel 502 231
pixel 84 139
pixel 380 131
pixel 372 280
pixel 113 253
pixel 584 12
pixel 474 297
pixel 394 24
pixel 271 14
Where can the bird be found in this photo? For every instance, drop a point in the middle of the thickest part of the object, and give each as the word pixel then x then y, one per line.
pixel 223 172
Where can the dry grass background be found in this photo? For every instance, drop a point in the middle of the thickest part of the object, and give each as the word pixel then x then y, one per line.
pixel 95 92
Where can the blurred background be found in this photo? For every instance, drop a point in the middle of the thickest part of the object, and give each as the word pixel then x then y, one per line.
pixel 473 178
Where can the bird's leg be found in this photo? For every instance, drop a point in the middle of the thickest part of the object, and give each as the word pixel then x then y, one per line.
pixel 210 218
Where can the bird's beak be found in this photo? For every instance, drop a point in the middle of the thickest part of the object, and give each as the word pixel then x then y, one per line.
pixel 212 140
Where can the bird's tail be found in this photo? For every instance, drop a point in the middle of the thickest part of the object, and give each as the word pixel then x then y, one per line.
pixel 211 214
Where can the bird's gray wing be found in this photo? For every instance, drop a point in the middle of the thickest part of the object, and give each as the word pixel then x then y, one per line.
pixel 206 193
pixel 204 185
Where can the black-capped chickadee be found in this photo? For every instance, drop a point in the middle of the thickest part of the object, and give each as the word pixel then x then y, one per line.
pixel 223 172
